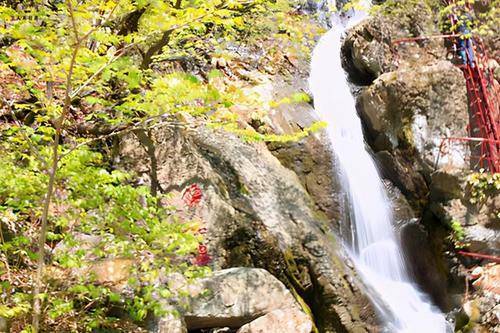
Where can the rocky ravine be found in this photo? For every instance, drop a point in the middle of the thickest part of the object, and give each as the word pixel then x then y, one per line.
pixel 413 97
pixel 277 208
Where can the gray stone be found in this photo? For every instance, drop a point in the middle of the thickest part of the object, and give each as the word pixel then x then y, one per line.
pixel 279 321
pixel 236 296
pixel 481 239
pixel 368 49
pixel 407 113
pixel 170 323
pixel 416 109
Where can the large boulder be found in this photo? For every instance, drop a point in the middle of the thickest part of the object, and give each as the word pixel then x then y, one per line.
pixel 366 51
pixel 237 296
pixel 371 48
pixel 257 214
pixel 407 114
pixel 416 109
pixel 279 321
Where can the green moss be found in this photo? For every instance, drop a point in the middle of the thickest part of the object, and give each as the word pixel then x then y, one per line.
pixel 293 271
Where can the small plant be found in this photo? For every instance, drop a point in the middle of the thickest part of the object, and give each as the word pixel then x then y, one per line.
pixel 457 235
pixel 481 186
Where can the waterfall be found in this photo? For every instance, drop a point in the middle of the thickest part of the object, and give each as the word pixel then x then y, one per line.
pixel 375 251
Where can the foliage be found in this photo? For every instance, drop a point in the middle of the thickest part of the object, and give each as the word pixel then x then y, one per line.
pixel 482 186
pixel 457 235
pixel 489 19
pixel 480 19
pixel 251 135
pixel 115 65
pixel 109 47
pixel 89 200
pixel 402 10
pixel 483 23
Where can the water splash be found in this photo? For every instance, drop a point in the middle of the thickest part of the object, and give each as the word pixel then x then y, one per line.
pixel 376 250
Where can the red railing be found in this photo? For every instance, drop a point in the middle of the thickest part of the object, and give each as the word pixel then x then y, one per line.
pixel 479 256
pixel 478 148
pixel 482 94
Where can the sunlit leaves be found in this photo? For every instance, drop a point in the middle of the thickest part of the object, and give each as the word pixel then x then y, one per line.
pixel 482 186
pixel 125 63
pixel 90 200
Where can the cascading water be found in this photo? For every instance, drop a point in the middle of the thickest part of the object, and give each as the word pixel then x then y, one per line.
pixel 376 250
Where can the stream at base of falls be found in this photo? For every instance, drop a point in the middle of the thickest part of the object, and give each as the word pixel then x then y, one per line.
pixel 376 251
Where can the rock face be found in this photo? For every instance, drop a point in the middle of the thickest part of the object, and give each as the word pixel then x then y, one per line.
pixel 366 51
pixel 238 298
pixel 258 215
pixel 414 98
pixel 407 113
pixel 371 49
pixel 479 222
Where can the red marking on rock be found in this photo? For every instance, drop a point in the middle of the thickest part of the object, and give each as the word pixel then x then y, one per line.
pixel 192 195
pixel 202 259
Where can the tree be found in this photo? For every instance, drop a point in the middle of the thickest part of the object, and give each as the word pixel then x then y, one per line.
pixel 83 71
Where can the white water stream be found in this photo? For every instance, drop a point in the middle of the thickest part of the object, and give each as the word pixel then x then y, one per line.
pixel 376 250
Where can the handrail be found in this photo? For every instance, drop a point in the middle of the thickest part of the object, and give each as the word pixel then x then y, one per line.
pixel 479 255
pixel 412 39
pixel 465 139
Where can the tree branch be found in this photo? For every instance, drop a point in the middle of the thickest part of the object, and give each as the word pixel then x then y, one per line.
pixel 52 177
pixel 147 59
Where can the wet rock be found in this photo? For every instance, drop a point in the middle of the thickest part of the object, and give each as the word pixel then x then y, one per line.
pixel 400 171
pixel 312 161
pixel 401 209
pixel 418 246
pixel 424 265
pixel 279 321
pixel 311 158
